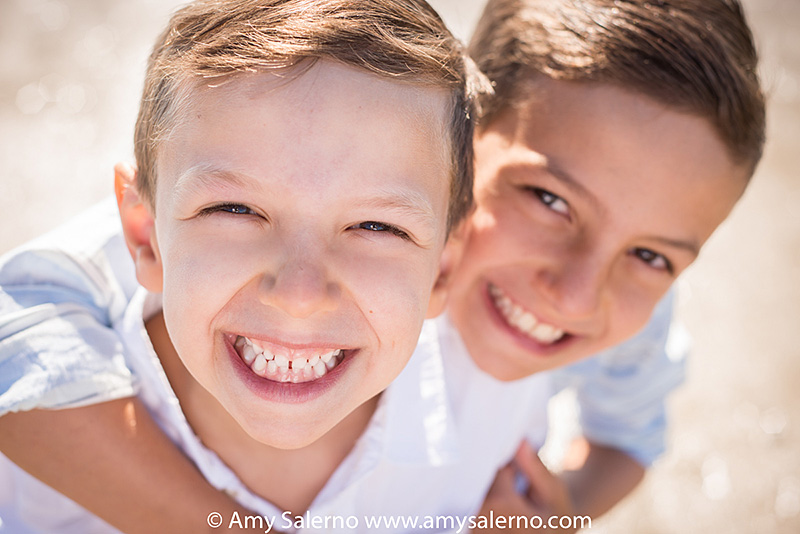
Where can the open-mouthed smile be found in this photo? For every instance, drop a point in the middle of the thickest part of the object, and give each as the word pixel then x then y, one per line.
pixel 283 364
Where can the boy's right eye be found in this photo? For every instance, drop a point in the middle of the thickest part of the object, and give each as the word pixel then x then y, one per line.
pixel 554 202
pixel 232 208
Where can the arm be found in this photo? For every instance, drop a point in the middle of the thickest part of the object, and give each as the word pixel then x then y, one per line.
pixel 600 477
pixel 113 460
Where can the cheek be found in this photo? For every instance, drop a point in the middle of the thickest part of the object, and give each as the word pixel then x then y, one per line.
pixel 629 315
pixel 390 291
pixel 198 282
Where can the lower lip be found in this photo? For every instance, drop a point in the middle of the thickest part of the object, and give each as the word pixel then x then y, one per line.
pixel 532 346
pixel 286 392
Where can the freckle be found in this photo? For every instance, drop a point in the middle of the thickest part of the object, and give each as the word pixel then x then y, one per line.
pixel 370 311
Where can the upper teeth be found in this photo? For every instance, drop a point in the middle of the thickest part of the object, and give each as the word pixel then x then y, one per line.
pixel 523 320
pixel 281 368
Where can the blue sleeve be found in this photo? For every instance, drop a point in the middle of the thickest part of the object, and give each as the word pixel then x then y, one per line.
pixel 621 393
pixel 57 348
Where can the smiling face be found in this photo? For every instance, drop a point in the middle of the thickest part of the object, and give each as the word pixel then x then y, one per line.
pixel 590 201
pixel 299 227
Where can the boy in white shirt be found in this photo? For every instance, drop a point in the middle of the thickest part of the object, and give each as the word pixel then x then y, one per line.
pixel 553 274
pixel 300 167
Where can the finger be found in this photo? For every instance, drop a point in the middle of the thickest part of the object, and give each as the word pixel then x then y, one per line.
pixel 503 484
pixel 543 483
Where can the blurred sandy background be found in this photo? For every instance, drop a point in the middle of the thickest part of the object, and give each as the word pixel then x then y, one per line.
pixel 70 77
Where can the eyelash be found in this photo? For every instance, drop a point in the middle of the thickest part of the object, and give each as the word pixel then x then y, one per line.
pixel 649 257
pixel 371 227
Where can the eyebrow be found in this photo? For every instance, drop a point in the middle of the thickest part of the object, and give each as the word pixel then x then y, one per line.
pixel 407 202
pixel 569 181
pixel 205 176
pixel 690 246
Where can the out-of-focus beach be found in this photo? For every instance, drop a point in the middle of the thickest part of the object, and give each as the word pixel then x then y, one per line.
pixel 70 78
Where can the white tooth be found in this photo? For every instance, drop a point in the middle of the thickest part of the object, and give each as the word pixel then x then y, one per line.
pixel 272 367
pixel 327 356
pixel 320 369
pixel 330 364
pixel 312 361
pixel 295 377
pixel 260 364
pixel 248 354
pixel 527 321
pixel 240 342
pixel 256 347
pixel 308 372
pixel 547 333
pixel 282 361
pixel 269 356
pixel 299 363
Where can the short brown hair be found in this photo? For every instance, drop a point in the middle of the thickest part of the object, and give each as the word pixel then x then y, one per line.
pixel 696 56
pixel 404 40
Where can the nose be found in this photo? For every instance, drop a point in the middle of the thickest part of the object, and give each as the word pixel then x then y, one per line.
pixel 300 286
pixel 575 285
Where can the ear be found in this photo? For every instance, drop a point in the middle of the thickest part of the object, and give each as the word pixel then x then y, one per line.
pixel 451 256
pixel 138 225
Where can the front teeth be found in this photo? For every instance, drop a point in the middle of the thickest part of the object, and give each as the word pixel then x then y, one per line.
pixel 280 368
pixel 524 321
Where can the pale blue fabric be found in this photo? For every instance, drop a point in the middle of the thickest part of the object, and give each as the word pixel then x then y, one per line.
pixel 59 296
pixel 621 392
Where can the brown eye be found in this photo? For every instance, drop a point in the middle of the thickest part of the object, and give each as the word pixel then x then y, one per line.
pixel 554 202
pixel 653 259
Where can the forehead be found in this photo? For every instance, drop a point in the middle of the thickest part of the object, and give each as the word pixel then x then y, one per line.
pixel 305 125
pixel 634 158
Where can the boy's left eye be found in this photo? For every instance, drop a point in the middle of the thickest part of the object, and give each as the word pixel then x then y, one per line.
pixel 653 259
pixel 375 226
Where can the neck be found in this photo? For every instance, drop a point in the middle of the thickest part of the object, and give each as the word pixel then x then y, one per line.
pixel 290 479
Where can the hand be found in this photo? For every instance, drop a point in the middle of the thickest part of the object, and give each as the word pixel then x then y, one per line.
pixel 547 492
pixel 547 495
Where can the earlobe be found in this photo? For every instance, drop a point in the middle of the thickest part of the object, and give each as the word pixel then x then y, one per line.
pixel 138 226
pixel 451 256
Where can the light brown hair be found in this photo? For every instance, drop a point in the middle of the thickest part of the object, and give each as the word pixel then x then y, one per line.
pixel 405 40
pixel 696 56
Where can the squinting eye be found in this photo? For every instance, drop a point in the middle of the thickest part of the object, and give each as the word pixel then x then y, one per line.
pixel 554 202
pixel 234 209
pixel 653 259
pixel 375 226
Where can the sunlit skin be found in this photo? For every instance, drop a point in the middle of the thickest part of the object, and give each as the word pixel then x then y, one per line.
pixel 307 211
pixel 591 200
